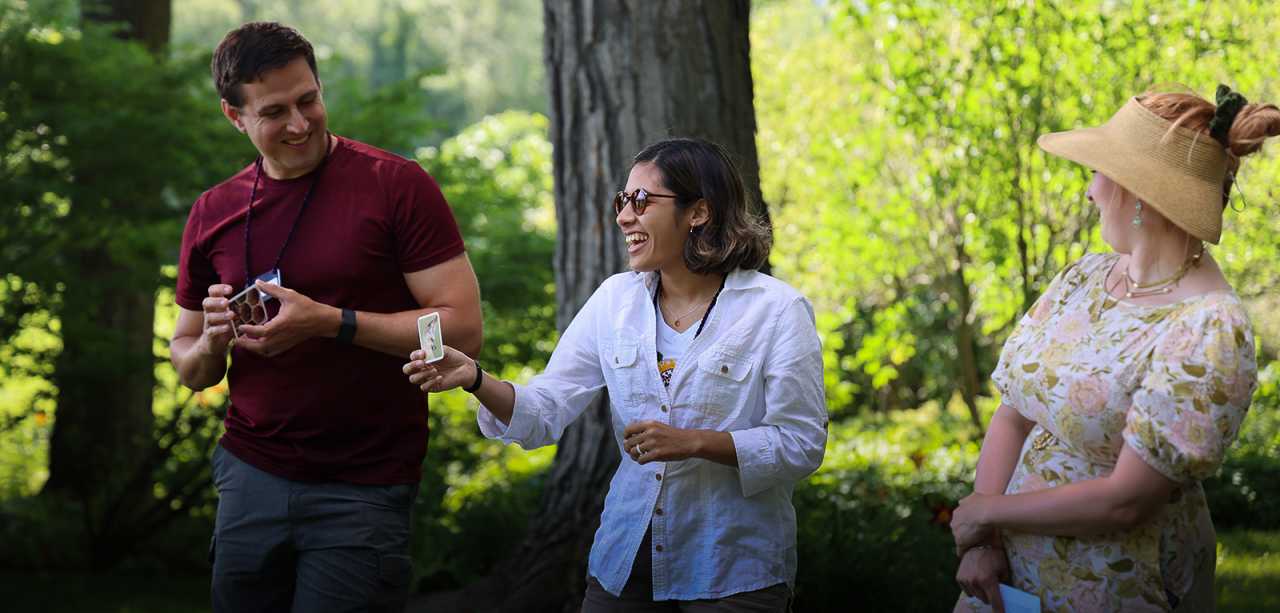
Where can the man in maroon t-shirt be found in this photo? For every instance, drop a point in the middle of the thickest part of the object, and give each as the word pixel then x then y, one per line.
pixel 325 437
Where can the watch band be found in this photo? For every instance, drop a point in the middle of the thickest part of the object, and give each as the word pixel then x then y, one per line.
pixel 347 331
pixel 475 385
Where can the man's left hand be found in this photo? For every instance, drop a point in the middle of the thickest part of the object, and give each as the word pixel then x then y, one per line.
pixel 968 525
pixel 654 441
pixel 300 318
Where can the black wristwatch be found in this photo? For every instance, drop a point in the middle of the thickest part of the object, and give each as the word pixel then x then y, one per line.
pixel 475 385
pixel 347 330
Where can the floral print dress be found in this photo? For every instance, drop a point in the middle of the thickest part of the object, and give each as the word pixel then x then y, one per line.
pixel 1095 373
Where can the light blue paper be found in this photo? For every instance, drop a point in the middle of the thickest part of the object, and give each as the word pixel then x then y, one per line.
pixel 1018 601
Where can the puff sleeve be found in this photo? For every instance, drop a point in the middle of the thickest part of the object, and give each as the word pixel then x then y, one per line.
pixel 1189 405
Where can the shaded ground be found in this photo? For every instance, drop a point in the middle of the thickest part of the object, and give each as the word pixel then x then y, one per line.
pixel 1248 580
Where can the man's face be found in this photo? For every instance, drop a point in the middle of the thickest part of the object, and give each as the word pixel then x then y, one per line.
pixel 283 114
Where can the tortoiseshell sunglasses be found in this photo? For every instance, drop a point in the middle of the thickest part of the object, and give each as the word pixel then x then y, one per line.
pixel 639 200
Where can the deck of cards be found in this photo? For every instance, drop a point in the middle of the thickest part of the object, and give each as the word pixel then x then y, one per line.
pixel 430 338
pixel 249 307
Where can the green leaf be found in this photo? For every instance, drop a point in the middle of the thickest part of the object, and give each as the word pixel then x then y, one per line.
pixel 1123 565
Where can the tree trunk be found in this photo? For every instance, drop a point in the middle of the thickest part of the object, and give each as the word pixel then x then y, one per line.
pixel 622 74
pixel 147 21
pixel 105 373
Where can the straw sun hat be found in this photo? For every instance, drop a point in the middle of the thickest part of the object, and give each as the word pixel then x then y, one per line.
pixel 1177 171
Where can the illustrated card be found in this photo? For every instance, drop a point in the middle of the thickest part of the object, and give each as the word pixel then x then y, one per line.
pixel 430 337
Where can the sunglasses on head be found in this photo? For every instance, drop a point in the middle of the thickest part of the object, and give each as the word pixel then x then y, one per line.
pixel 638 199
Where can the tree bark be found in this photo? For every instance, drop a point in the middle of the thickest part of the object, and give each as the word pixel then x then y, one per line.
pixel 105 373
pixel 146 21
pixel 622 74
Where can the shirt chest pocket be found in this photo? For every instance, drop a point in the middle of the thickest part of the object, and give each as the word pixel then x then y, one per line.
pixel 622 359
pixel 724 384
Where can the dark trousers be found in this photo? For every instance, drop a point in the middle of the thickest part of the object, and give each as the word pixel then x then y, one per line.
pixel 281 545
pixel 637 595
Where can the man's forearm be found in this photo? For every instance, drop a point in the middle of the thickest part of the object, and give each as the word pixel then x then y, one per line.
pixel 397 333
pixel 196 369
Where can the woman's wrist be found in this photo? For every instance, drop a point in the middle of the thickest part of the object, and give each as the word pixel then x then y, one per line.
pixel 475 384
pixel 983 547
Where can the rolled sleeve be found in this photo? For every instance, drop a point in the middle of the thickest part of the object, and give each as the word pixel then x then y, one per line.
pixel 546 406
pixel 792 440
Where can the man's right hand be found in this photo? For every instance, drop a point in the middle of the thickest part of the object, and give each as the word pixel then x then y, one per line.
pixel 981 571
pixel 217 333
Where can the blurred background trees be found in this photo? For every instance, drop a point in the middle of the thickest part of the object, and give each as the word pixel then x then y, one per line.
pixel 896 152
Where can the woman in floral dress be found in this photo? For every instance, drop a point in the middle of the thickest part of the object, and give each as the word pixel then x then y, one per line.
pixel 1126 383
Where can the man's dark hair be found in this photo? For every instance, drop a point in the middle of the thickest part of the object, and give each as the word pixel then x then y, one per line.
pixel 252 49
pixel 735 236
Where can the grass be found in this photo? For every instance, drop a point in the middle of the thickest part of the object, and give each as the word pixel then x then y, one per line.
pixel 1248 571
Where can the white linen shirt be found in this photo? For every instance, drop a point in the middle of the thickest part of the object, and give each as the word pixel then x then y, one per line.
pixel 755 372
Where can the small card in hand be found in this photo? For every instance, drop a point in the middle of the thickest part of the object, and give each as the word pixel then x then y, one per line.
pixel 430 338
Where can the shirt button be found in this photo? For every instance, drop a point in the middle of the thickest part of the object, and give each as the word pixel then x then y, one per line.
pixel 724 369
pixel 658 510
pixel 658 477
pixel 664 408
pixel 658 548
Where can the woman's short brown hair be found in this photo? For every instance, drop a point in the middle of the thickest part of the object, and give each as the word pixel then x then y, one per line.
pixel 695 169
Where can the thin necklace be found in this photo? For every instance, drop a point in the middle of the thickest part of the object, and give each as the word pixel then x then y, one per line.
pixel 696 306
pixel 705 316
pixel 658 293
pixel 1133 289
pixel 676 322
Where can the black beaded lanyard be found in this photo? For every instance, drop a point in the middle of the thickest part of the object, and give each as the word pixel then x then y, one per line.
pixel 705 316
pixel 248 216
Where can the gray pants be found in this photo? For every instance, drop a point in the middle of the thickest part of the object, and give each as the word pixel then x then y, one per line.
pixel 281 545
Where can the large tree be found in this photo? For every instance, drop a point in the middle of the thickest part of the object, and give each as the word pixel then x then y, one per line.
pixel 124 154
pixel 621 75
pixel 105 371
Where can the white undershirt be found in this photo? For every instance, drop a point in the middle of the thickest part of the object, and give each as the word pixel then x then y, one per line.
pixel 672 345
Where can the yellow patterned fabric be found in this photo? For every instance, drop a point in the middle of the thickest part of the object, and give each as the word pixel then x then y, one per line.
pixel 1095 373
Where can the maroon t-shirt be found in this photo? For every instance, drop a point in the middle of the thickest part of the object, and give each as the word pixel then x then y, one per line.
pixel 325 411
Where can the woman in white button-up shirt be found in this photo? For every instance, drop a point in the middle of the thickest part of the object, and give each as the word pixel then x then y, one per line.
pixel 714 375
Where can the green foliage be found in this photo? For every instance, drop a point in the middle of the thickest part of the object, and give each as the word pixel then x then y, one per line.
pixel 910 200
pixel 876 513
pixel 477 495
pixel 496 175
pixel 1239 496
pixel 1248 571
pixel 105 147
pixel 462 61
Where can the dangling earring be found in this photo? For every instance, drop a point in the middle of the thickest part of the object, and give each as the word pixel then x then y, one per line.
pixel 1137 217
